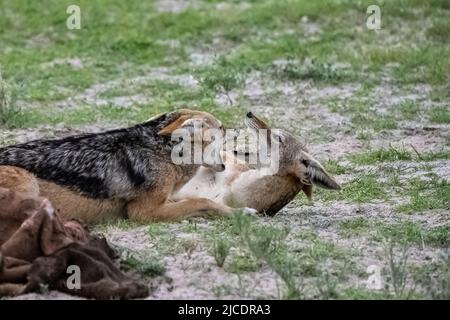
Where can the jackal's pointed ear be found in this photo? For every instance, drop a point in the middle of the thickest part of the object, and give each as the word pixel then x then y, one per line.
pixel 254 122
pixel 318 176
pixel 180 120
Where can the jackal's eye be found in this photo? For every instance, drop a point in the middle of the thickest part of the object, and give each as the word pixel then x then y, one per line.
pixel 305 162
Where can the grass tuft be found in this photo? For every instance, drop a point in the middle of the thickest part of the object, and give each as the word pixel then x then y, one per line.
pixel 354 227
pixel 382 155
pixel 221 251
pixel 398 273
pixel 267 244
pixel 222 78
pixel 438 288
pixel 425 195
pixel 440 115
pixel 440 31
pixel 147 266
pixel 361 189
pixel 11 115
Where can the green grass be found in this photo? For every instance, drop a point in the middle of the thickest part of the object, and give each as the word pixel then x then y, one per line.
pixel 382 155
pixel 334 167
pixel 362 114
pixel 222 78
pixel 267 244
pixel 440 31
pixel 410 110
pixel 132 37
pixel 255 245
pixel 362 119
pixel 392 154
pixel 355 226
pixel 147 266
pixel 397 272
pixel 410 60
pixel 433 156
pixel 362 189
pixel 244 263
pixel 439 236
pixel 11 114
pixel 165 240
pixel 384 123
pixel 221 251
pixel 440 115
pixel 404 232
pixel 364 135
pixel 437 288
pixel 303 234
pixel 426 195
pixel 315 253
pixel 124 40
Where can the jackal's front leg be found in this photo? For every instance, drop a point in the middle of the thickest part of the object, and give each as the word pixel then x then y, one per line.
pixel 145 210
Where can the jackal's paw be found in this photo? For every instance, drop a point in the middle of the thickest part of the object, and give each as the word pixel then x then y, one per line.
pixel 250 211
